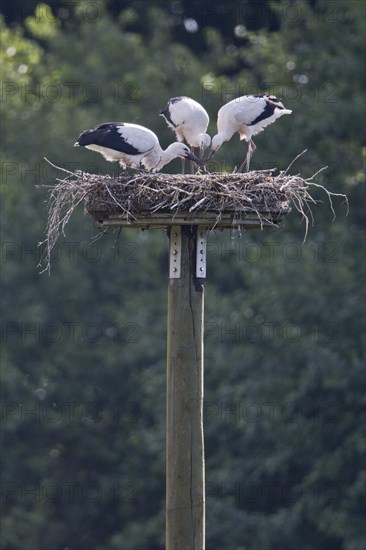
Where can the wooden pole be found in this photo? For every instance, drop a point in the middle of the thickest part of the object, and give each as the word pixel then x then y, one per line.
pixel 185 474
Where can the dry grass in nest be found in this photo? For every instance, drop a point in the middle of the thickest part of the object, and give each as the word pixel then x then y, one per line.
pixel 137 193
pixel 165 193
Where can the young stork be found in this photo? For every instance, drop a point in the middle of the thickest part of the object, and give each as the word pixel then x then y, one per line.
pixel 131 144
pixel 189 120
pixel 248 115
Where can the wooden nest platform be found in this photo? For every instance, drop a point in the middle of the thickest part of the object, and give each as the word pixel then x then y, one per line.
pixel 142 199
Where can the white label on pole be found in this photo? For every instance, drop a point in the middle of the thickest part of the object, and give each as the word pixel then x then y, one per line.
pixel 175 252
pixel 201 247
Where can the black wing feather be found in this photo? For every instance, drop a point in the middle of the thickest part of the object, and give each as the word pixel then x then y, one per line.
pixel 166 114
pixel 166 111
pixel 107 135
pixel 266 113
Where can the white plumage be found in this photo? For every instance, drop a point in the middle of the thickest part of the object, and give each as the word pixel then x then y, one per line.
pixel 248 115
pixel 189 120
pixel 131 144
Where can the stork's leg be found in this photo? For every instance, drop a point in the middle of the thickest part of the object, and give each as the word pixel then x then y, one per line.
pixel 251 148
pixel 183 165
pixel 192 163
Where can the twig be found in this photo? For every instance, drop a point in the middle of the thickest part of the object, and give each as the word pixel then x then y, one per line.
pixel 295 159
pixel 58 167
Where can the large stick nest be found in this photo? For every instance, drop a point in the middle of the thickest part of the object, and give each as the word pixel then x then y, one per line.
pixel 165 193
pixel 137 193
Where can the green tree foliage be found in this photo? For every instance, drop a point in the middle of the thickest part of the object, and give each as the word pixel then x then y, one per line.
pixel 83 360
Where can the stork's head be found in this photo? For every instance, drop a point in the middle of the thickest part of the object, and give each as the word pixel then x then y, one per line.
pixel 217 141
pixel 176 149
pixel 182 150
pixel 205 141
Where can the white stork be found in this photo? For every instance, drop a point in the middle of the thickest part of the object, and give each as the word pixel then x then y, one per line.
pixel 248 115
pixel 189 120
pixel 131 144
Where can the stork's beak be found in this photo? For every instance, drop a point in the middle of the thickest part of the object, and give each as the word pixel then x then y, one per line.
pixel 211 154
pixel 193 157
pixel 202 152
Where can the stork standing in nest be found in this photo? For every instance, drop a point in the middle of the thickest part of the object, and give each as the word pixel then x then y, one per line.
pixel 131 144
pixel 189 120
pixel 248 115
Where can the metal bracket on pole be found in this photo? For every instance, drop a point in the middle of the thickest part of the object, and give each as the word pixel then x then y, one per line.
pixel 201 247
pixel 175 252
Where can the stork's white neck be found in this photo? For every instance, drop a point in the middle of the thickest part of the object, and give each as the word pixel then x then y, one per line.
pixel 219 139
pixel 166 156
pixel 172 152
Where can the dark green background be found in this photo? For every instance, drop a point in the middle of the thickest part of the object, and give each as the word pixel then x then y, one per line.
pixel 83 350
